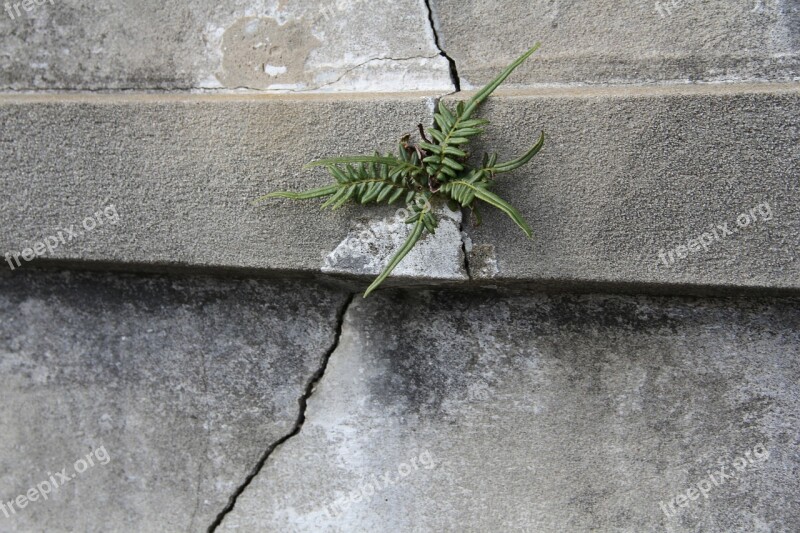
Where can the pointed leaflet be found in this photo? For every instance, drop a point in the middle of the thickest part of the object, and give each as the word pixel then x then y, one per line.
pixel 459 192
pixel 307 195
pixel 484 93
pixel 516 163
pixel 416 234
pixel 502 205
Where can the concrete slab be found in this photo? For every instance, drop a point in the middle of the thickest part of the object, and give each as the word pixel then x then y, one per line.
pixel 488 412
pixel 174 386
pixel 676 188
pixel 607 43
pixel 329 45
pixel 631 189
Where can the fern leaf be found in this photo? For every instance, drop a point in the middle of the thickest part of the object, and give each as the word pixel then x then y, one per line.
pixel 458 191
pixel 307 195
pixel 484 93
pixel 516 163
pixel 416 234
pixel 392 162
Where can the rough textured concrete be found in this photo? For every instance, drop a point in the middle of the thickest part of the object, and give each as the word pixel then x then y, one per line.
pixel 233 44
pixel 537 413
pixel 182 175
pixel 627 175
pixel 624 176
pixel 639 41
pixel 183 382
pixel 671 166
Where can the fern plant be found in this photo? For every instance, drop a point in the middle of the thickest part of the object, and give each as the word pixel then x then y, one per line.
pixel 436 166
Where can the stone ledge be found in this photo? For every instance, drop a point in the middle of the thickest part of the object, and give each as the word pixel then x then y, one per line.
pixel 182 173
pixel 625 173
pixel 624 179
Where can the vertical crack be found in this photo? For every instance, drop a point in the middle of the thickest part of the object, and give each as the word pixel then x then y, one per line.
pixel 464 216
pixel 301 418
pixel 456 81
pixel 453 70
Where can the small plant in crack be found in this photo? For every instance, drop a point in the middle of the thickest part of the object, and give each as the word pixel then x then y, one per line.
pixel 436 166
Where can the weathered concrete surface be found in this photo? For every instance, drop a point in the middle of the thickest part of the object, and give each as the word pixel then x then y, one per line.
pixel 537 413
pixel 625 176
pixel 234 44
pixel 182 174
pixel 606 42
pixel 368 248
pixel 183 382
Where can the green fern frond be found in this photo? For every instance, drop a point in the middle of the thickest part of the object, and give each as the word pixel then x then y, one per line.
pixel 466 191
pixel 416 234
pixel 307 195
pixel 434 166
pixel 423 220
pixel 395 165
pixel 449 131
pixel 516 163
pixel 484 93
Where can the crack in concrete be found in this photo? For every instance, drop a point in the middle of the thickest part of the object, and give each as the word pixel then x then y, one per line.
pixel 464 237
pixel 301 418
pixel 454 78
pixel 456 81
pixel 465 214
pixel 181 89
pixel 355 67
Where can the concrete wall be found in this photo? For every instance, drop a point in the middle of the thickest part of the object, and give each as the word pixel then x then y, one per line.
pixel 207 45
pixel 217 353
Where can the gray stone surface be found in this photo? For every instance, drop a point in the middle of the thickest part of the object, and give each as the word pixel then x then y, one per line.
pixel 638 41
pixel 625 176
pixel 476 411
pixel 183 382
pixel 233 44
pixel 182 174
pixel 544 413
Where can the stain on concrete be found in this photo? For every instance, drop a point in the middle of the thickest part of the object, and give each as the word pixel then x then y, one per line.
pixel 600 329
pixel 262 53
